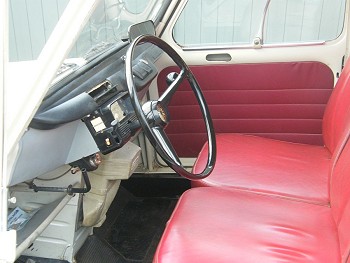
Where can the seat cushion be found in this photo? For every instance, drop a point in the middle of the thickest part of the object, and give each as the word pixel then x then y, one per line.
pixel 213 224
pixel 265 165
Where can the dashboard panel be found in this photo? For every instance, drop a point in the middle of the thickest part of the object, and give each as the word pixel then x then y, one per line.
pixel 111 122
pixel 114 122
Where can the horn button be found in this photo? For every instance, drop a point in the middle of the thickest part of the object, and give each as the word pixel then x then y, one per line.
pixel 156 113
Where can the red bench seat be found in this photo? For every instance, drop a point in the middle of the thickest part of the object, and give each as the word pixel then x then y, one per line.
pixel 223 224
pixel 270 166
pixel 273 201
pixel 283 168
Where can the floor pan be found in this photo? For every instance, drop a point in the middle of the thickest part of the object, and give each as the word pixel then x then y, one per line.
pixel 134 224
pixel 134 235
pixel 132 230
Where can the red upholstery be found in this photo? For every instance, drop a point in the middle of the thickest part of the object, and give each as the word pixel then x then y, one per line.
pixel 255 219
pixel 340 199
pixel 283 168
pixel 284 101
pixel 213 224
pixel 270 166
pixel 336 116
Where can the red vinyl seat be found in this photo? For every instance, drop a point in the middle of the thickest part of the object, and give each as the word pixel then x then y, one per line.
pixel 223 224
pixel 265 165
pixel 283 168
pixel 212 224
pixel 277 201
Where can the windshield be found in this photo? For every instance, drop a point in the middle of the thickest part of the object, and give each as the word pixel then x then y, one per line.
pixel 110 22
pixel 32 22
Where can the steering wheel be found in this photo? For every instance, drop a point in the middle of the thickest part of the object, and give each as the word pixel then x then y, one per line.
pixel 153 116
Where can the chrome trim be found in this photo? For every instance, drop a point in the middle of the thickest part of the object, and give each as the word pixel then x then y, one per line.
pixel 260 35
pixel 216 47
pixel 296 44
pixel 250 46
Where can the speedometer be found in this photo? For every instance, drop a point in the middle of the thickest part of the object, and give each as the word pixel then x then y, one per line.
pixel 117 110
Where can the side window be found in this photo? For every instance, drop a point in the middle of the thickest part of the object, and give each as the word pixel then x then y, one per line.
pixel 238 22
pixel 219 22
pixel 289 21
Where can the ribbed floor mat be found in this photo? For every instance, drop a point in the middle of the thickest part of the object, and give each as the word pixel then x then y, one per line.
pixel 95 250
pixel 139 227
pixel 134 234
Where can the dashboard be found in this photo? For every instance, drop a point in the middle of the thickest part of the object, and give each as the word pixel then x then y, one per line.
pixel 114 122
pixel 87 112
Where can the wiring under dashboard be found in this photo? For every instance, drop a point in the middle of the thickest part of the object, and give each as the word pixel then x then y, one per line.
pixel 54 178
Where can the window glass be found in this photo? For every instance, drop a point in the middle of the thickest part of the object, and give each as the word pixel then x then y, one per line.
pixel 289 21
pixel 136 6
pixel 32 22
pixel 30 26
pixel 219 22
pixel 238 22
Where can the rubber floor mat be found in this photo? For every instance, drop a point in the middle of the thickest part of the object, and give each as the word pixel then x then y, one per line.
pixel 132 235
pixel 137 230
pixel 95 250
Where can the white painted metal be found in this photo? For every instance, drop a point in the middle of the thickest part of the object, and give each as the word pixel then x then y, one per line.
pixel 8 246
pixel 3 62
pixel 20 98
pixel 55 230
pixel 330 53
pixel 7 238
pixel 45 223
pixel 327 52
pixel 62 238
pixel 29 96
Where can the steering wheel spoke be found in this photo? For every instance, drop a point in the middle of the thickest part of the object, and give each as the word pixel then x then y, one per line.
pixel 164 145
pixel 170 91
pixel 154 116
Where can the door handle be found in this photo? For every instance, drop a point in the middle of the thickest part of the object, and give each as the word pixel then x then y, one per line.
pixel 219 57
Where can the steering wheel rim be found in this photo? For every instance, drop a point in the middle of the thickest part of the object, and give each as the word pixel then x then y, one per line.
pixel 153 116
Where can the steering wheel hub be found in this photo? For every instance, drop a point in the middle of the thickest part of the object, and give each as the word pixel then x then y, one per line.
pixel 163 113
pixel 156 114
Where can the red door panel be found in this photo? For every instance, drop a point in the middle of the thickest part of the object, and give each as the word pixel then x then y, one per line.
pixel 278 100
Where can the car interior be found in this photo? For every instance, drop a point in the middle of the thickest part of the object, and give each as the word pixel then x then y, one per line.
pixel 176 131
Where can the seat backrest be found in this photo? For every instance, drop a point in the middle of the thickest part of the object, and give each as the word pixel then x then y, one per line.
pixel 336 114
pixel 336 134
pixel 340 198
